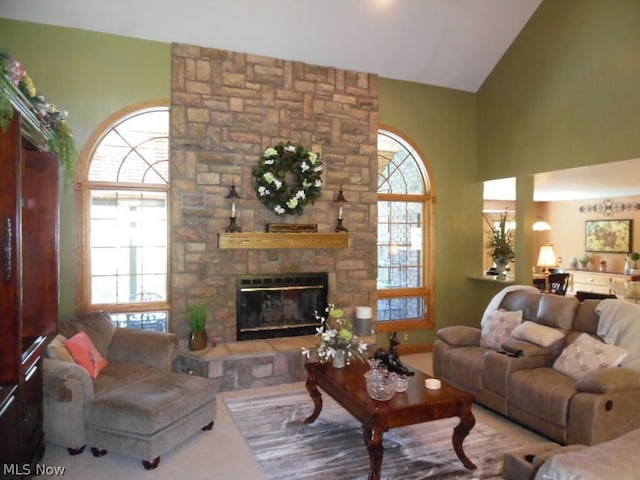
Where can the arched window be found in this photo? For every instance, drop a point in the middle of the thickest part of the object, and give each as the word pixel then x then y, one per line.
pixel 123 218
pixel 404 226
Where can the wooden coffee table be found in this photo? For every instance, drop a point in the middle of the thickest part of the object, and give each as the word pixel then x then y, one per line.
pixel 418 404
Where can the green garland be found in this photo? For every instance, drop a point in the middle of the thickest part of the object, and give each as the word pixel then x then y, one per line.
pixel 48 120
pixel 293 162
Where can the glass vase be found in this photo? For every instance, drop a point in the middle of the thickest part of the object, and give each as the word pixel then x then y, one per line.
pixel 339 359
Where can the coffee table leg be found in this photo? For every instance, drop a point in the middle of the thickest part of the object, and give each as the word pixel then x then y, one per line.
pixel 312 388
pixel 467 421
pixel 373 441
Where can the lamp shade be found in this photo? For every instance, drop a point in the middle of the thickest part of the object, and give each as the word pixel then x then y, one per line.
pixel 541 226
pixel 546 257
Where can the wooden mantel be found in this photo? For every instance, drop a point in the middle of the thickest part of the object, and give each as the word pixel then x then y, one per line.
pixel 256 240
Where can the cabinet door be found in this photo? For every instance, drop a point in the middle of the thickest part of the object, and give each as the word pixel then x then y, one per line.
pixel 8 424
pixel 10 192
pixel 30 394
pixel 39 245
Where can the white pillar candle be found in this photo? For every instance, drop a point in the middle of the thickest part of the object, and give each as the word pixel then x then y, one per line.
pixel 340 213
pixel 363 320
pixel 233 209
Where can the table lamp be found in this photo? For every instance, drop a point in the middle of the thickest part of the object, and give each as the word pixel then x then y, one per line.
pixel 546 258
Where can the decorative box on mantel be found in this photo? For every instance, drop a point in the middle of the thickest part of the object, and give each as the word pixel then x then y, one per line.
pixel 283 240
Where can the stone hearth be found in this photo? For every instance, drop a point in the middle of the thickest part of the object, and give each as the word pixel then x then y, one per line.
pixel 251 363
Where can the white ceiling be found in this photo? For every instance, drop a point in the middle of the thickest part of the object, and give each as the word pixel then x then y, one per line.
pixel 609 180
pixel 448 43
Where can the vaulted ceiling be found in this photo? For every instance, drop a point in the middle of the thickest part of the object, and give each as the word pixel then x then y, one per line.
pixel 447 43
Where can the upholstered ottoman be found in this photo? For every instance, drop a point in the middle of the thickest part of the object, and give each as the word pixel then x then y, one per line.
pixel 524 462
pixel 147 418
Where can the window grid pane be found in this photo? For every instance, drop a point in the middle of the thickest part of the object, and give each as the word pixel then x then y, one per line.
pixel 400 172
pixel 400 245
pixel 134 151
pixel 128 245
pixel 405 308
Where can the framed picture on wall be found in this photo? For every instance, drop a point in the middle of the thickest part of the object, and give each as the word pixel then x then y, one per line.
pixel 611 236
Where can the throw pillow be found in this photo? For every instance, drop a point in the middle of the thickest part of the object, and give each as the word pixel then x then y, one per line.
pixel 85 353
pixel 536 333
pixel 98 326
pixel 57 350
pixel 586 354
pixel 498 327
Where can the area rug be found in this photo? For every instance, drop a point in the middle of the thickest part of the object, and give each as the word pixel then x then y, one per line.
pixel 333 446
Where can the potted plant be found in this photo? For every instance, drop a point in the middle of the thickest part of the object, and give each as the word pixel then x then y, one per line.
pixel 634 257
pixel 501 243
pixel 197 316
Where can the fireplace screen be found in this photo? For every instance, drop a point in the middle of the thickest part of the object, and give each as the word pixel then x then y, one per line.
pixel 280 305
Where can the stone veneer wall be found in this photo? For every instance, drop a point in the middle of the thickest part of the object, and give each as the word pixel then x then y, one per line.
pixel 226 108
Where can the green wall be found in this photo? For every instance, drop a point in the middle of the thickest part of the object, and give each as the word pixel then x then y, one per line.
pixel 441 123
pixel 566 93
pixel 91 75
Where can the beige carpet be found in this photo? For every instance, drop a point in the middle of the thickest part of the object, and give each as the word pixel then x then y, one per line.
pixel 223 452
pixel 333 448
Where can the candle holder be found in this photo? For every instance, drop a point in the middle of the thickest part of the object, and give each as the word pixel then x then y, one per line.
pixel 340 200
pixel 233 194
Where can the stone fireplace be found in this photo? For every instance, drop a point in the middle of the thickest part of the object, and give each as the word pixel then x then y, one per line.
pixel 226 108
pixel 280 305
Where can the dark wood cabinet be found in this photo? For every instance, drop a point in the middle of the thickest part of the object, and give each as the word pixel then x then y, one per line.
pixel 29 294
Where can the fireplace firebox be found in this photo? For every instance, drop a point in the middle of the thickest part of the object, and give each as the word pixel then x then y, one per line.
pixel 280 305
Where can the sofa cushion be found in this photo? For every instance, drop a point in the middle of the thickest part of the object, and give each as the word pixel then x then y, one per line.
pixel 120 374
pixel 99 326
pixel 544 393
pixel 525 300
pixel 462 367
pixel 147 406
pixel 586 319
pixel 57 350
pixel 586 354
pixel 85 353
pixel 538 334
pixel 557 311
pixel 498 328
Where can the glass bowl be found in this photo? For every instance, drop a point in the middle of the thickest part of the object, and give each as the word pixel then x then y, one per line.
pixel 380 385
pixel 402 383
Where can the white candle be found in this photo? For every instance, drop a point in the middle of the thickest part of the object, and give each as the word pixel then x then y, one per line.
pixel 340 213
pixel 233 209
pixel 362 322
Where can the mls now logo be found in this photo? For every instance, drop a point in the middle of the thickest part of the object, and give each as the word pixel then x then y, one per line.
pixel 24 469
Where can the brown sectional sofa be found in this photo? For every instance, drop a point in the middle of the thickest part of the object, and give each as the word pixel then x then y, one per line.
pixel 519 380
